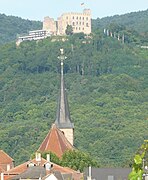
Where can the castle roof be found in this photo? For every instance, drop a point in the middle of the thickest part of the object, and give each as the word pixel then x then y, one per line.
pixel 55 142
pixel 5 158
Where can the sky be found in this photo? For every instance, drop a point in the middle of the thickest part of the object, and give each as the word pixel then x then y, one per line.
pixel 38 9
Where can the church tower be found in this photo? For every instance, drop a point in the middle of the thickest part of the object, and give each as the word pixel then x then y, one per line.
pixel 63 121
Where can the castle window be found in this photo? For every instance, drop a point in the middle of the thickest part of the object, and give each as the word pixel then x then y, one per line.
pixel 67 17
pixel 87 25
pixel 80 23
pixel 80 18
pixel 73 17
pixel 83 28
pixel 87 18
pixel 77 17
pixel 73 23
pixel 83 23
pixel 76 28
pixel 83 18
pixel 77 23
pixel 79 28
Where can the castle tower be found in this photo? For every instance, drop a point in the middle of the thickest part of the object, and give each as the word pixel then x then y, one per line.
pixel 50 25
pixel 63 121
pixel 80 22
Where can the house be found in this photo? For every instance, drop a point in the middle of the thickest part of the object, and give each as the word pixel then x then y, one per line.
pixel 40 168
pixel 106 173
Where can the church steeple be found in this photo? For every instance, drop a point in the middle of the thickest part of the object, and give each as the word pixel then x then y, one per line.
pixel 63 121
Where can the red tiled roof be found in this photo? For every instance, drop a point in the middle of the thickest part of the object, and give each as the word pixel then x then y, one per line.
pixel 1 169
pixel 56 142
pixel 5 158
pixel 23 167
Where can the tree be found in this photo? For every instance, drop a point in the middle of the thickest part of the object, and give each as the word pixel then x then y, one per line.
pixel 69 30
pixel 77 160
pixel 138 166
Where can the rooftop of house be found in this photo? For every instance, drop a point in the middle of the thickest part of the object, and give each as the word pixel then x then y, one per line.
pixel 39 170
pixel 5 158
pixel 106 173
pixel 34 172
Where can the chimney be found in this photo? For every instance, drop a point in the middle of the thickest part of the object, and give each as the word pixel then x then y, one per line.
pixel 38 156
pixel 48 157
pixel 89 173
pixel 8 167
pixel 2 176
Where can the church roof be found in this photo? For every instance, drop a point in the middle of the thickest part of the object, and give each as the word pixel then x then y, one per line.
pixel 63 119
pixel 5 158
pixel 55 142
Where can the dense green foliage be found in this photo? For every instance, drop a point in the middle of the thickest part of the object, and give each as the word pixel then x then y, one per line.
pixel 107 85
pixel 77 160
pixel 107 90
pixel 134 20
pixel 140 162
pixel 11 27
pixel 134 25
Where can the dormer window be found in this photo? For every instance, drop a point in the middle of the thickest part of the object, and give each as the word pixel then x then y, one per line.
pixel 31 164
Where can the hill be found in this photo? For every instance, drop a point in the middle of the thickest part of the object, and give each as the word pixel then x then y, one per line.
pixel 133 23
pixel 11 27
pixel 107 85
pixel 134 20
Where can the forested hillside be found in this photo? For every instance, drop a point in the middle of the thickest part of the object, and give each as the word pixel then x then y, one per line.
pixel 107 85
pixel 134 20
pixel 132 24
pixel 11 26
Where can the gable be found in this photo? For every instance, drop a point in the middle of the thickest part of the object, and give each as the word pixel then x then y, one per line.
pixel 5 158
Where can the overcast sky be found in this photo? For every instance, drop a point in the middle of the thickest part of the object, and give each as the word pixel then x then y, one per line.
pixel 38 9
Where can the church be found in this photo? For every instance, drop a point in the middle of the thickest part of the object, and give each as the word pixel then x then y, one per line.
pixel 61 136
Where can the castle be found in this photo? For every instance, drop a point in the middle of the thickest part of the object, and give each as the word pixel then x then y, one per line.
pixel 80 22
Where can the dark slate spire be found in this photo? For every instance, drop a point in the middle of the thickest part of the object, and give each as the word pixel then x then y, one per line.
pixel 63 120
